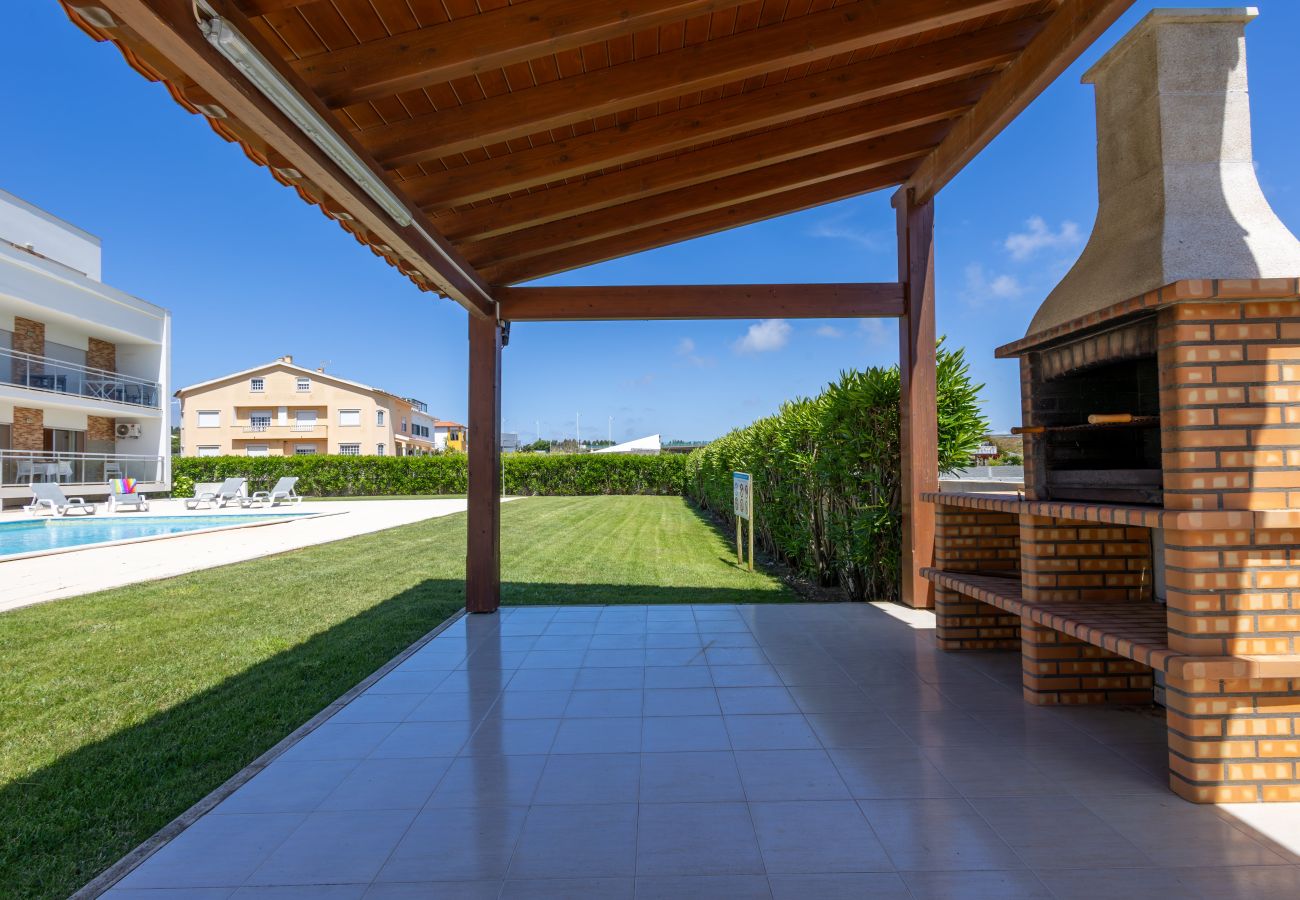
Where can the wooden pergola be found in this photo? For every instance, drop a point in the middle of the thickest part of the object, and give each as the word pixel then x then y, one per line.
pixel 478 144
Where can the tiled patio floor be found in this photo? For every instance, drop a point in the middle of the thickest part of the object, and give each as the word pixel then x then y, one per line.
pixel 801 751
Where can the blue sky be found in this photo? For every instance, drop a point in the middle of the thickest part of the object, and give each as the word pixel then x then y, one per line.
pixel 250 272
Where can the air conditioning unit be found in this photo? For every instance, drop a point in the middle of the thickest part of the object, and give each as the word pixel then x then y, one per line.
pixel 127 430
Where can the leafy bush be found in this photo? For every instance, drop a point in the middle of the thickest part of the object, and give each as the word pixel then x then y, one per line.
pixel 826 473
pixel 359 476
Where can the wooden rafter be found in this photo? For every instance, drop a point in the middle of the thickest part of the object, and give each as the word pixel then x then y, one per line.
pixel 699 224
pixel 882 76
pixel 701 301
pixel 475 44
pixel 171 31
pixel 717 161
pixel 875 153
pixel 1070 30
pixel 666 76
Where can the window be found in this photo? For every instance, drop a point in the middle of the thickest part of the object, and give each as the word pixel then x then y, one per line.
pixel 379 418
pixel 403 424
pixel 349 417
pixel 380 450
pixel 209 451
pixel 257 450
pixel 304 384
pixel 259 421
pixel 304 450
pixel 209 418
pixel 257 385
pixel 349 449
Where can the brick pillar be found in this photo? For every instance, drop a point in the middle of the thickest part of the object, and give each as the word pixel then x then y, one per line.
pixel 29 337
pixel 28 432
pixel 100 428
pixel 968 540
pixel 1071 562
pixel 101 355
pixel 1230 396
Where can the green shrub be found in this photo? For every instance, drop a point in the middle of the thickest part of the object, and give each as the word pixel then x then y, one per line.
pixel 361 476
pixel 826 473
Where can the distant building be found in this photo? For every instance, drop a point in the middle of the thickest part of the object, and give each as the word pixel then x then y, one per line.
pixel 985 451
pixel 84 367
pixel 509 442
pixel 282 409
pixel 449 436
pixel 646 446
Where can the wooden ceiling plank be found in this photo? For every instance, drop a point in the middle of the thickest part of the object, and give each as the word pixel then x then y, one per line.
pixel 881 76
pixel 1074 26
pixel 667 75
pixel 701 301
pixel 699 225
pixel 169 28
pixel 714 161
pixel 863 156
pixel 480 43
pixel 265 7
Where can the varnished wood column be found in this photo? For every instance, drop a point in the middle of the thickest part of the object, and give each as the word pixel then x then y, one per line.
pixel 918 415
pixel 483 547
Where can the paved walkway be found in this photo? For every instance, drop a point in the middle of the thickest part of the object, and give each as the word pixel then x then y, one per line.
pixel 792 751
pixel 24 582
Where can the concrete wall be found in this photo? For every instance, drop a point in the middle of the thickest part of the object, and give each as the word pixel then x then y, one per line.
pixel 22 224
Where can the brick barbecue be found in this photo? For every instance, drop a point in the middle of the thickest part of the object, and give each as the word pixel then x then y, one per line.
pixel 1155 552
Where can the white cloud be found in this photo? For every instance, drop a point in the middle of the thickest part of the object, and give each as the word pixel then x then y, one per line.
pixel 686 350
pixel 1038 235
pixel 829 331
pixel 762 337
pixel 685 347
pixel 982 286
pixel 840 229
pixel 876 333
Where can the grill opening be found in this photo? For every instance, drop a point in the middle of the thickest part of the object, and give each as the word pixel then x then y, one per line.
pixel 1115 458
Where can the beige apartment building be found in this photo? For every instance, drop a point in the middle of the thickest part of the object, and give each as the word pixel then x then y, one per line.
pixel 281 409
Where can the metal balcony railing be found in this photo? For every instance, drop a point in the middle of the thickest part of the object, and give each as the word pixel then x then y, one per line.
pixel 273 429
pixel 21 467
pixel 42 373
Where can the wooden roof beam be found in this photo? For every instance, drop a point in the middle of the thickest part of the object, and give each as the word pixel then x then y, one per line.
pixel 862 156
pixel 700 224
pixel 1072 28
pixel 743 154
pixel 170 29
pixel 882 76
pixel 491 40
pixel 666 76
pixel 701 301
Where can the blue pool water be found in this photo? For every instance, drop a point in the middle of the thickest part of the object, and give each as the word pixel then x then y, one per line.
pixel 51 534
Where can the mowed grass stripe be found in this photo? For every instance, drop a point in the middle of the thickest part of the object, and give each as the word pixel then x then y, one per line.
pixel 119 710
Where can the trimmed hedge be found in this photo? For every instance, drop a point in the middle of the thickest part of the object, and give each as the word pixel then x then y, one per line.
pixel 826 474
pixel 362 476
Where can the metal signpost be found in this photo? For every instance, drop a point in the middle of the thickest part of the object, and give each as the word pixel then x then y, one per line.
pixel 742 504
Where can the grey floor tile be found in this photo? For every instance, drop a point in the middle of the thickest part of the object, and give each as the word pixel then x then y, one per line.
pixel 1234 882
pixel 168 894
pixel 434 890
pixel 569 889
pixel 746 701
pixel 403 783
pixel 777 732
pixel 877 886
pixel 590 840
pixel 696 839
pixel 590 778
pixel 661 734
pixel 301 892
pixel 619 735
pixel 335 847
pixel 512 737
pixel 817 838
pixel 660 677
pixel 1057 831
pixel 604 703
pixel 615 659
pixel 399 682
pixel 992 772
pixel 430 739
pixel 789 775
pixel 379 708
pixel 610 679
pixel 527 681
pixel 457 844
pixel 1006 885
pixel 532 704
pixel 489 781
pixel 823 698
pixel 937 835
pixel 681 702
pixel 453 707
pixel 677 656
pixel 886 773
pixel 288 785
pixel 188 860
pixel 735 656
pixel 690 777
pixel 1115 884
pixel 745 676
pixel 702 887
pixel 340 741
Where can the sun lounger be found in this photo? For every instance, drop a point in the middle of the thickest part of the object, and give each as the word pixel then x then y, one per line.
pixel 122 494
pixel 229 492
pixel 282 492
pixel 50 496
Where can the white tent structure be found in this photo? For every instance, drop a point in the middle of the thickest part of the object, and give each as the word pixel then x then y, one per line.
pixel 649 446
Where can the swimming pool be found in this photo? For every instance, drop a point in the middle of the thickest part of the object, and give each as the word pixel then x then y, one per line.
pixel 42 535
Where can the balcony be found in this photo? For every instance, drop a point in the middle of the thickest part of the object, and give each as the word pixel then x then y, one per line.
pixel 24 467
pixel 292 430
pixel 41 373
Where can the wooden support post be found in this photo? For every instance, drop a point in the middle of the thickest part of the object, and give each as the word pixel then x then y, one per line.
pixel 483 546
pixel 918 415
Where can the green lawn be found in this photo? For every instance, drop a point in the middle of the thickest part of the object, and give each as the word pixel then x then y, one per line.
pixel 121 709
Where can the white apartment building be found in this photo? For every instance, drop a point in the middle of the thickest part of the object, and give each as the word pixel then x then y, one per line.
pixel 84 367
